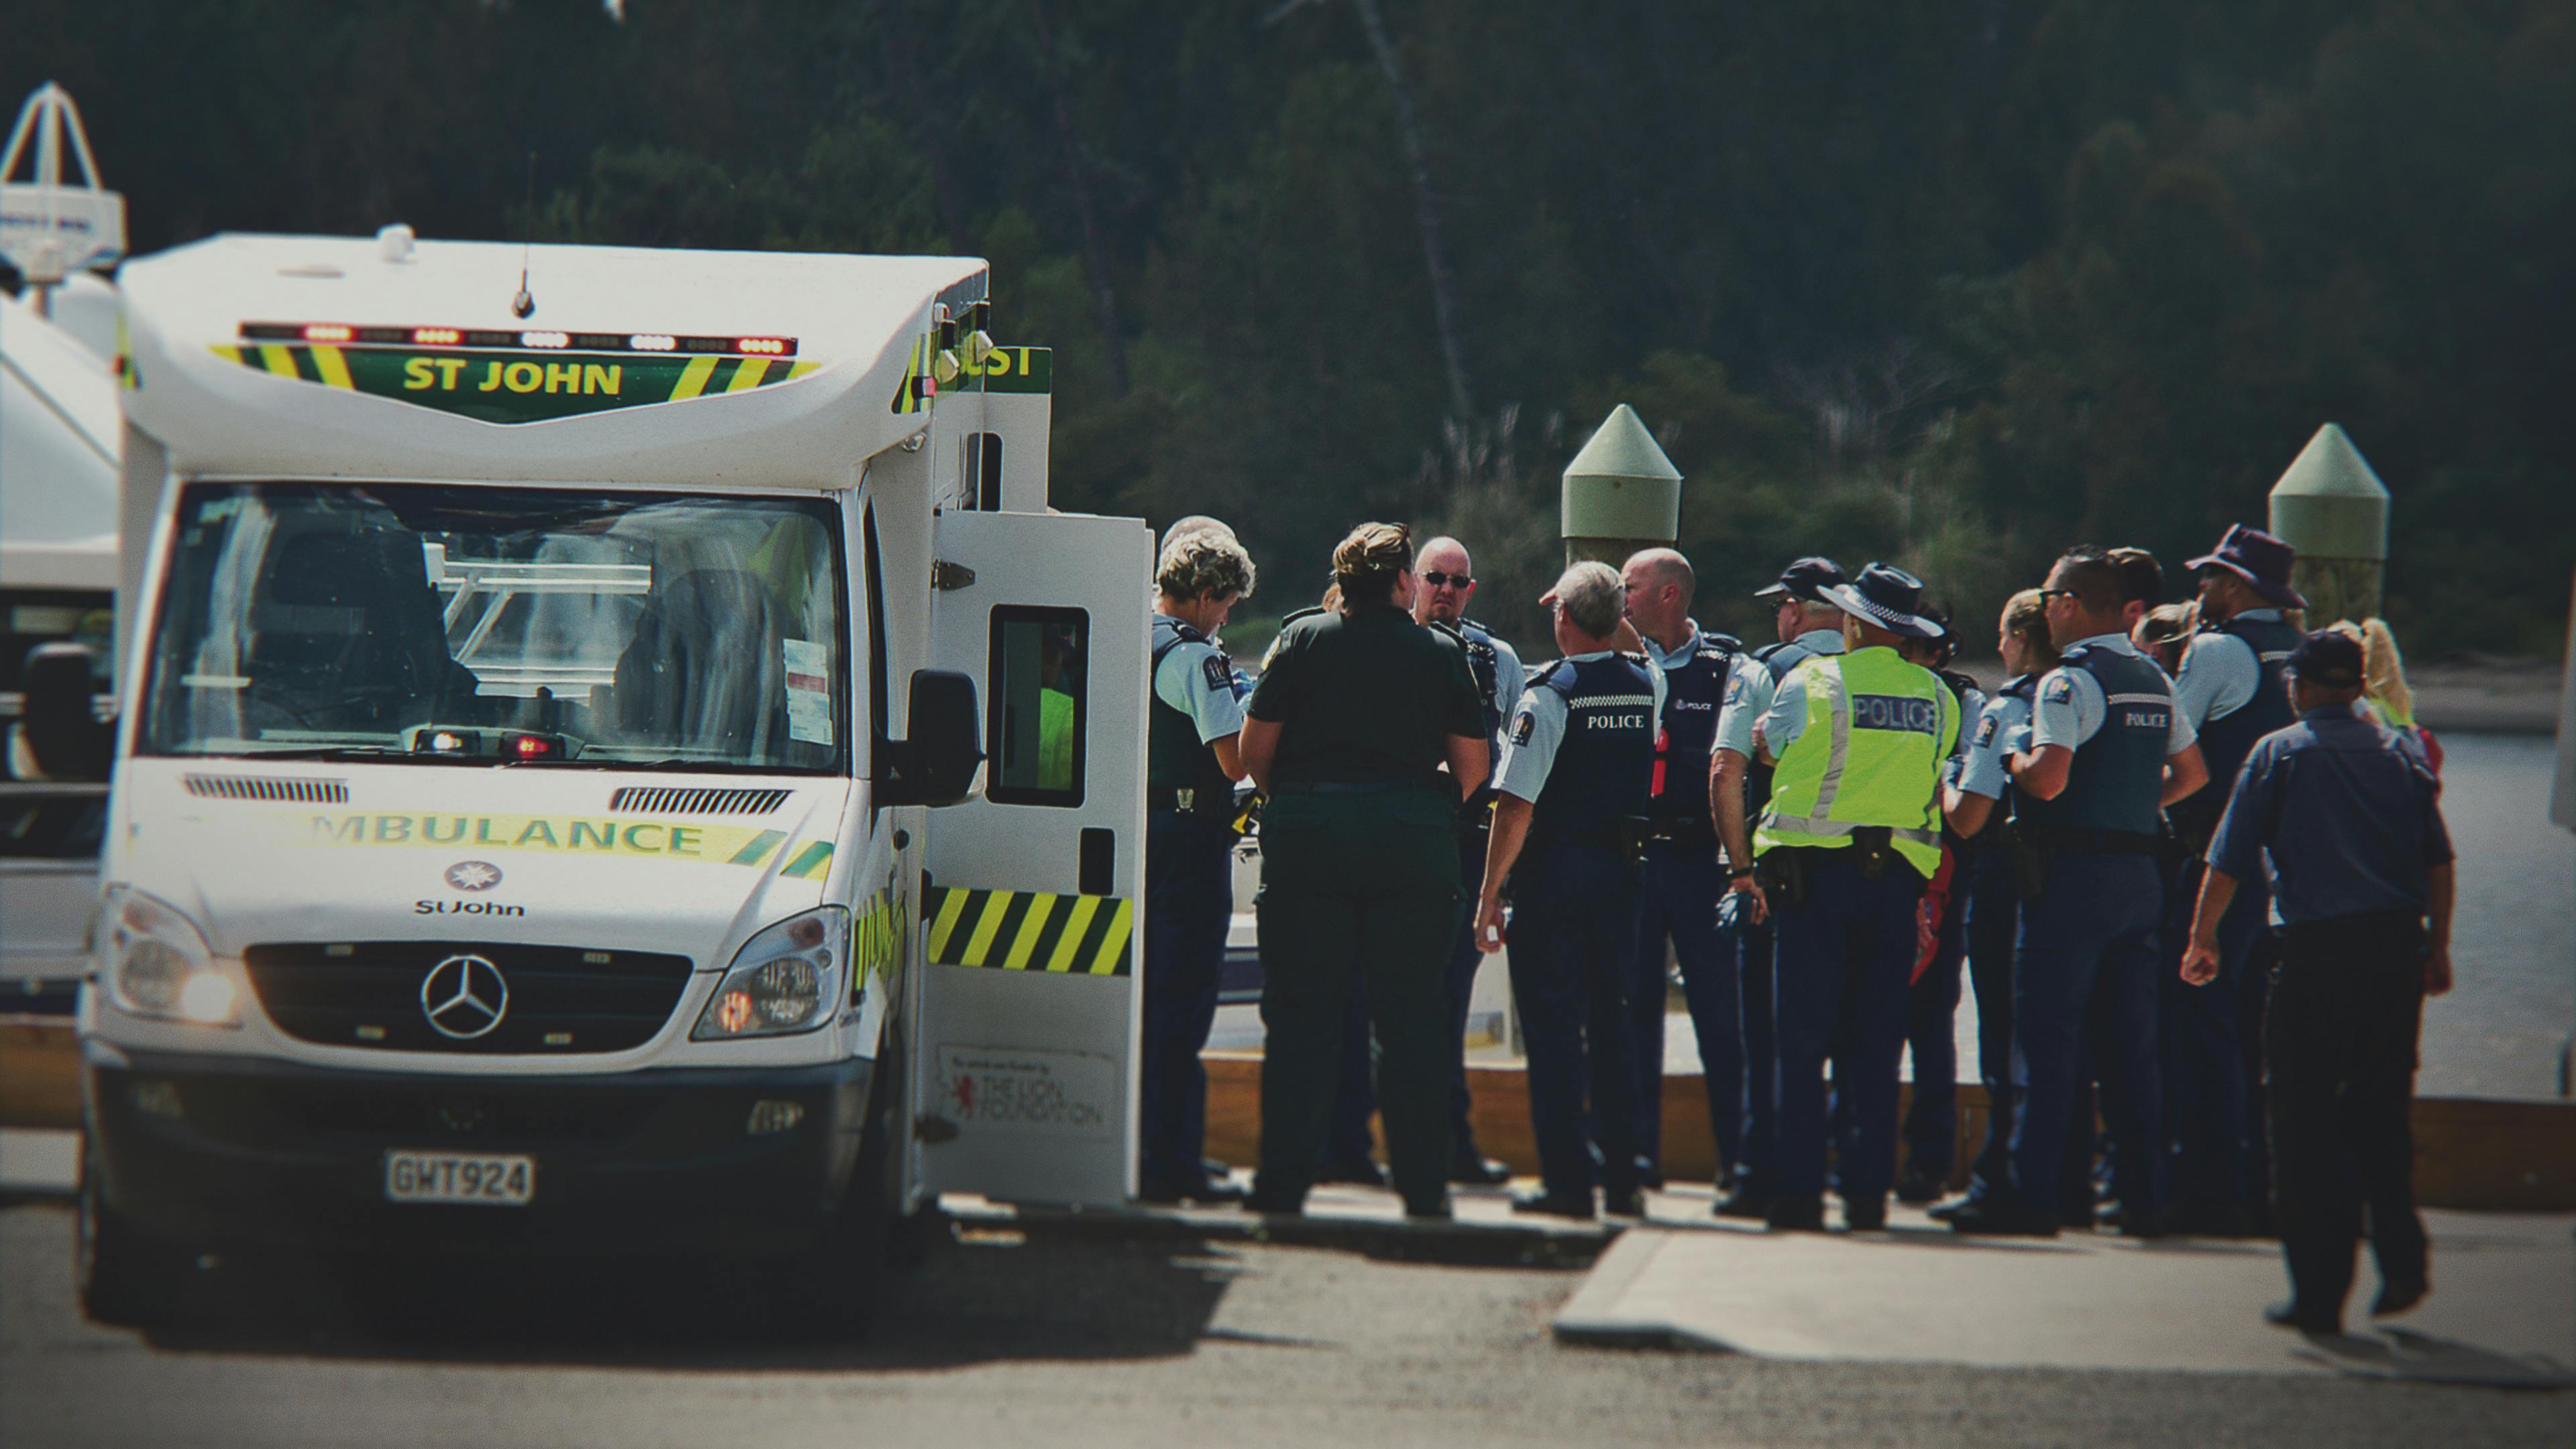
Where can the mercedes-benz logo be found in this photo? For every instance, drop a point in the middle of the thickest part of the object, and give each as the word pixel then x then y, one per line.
pixel 474 875
pixel 464 997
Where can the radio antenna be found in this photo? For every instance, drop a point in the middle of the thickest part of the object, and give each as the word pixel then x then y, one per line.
pixel 523 305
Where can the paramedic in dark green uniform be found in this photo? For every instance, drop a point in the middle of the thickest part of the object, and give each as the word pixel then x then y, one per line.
pixel 1356 713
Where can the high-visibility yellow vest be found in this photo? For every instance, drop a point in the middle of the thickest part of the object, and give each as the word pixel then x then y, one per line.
pixel 1877 731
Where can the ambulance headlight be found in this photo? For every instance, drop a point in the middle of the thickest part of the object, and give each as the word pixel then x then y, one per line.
pixel 158 964
pixel 786 979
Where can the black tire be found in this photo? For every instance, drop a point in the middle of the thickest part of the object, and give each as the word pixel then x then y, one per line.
pixel 125 1279
pixel 830 1292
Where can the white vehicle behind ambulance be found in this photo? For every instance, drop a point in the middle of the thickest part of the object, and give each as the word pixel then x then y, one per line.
pixel 617 755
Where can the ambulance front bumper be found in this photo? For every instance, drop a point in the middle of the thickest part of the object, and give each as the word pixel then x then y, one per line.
pixel 208 1150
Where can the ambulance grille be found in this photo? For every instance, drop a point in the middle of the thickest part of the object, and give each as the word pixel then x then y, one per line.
pixel 250 787
pixel 562 1000
pixel 695 800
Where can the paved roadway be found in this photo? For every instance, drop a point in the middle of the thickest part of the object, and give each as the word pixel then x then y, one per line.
pixel 1069 1335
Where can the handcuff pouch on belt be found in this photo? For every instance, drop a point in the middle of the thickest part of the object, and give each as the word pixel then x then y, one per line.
pixel 1873 847
pixel 1782 872
pixel 2030 862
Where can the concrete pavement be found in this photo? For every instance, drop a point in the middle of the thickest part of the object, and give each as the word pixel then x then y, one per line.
pixel 2503 1311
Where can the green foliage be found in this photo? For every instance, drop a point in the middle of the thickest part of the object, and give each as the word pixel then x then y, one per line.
pixel 1948 285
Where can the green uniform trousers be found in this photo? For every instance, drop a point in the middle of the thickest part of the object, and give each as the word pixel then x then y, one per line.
pixel 1365 886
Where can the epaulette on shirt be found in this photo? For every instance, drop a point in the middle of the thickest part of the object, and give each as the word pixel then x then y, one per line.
pixel 1720 647
pixel 1281 637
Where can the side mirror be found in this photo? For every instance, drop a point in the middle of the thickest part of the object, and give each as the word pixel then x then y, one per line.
pixel 936 763
pixel 61 730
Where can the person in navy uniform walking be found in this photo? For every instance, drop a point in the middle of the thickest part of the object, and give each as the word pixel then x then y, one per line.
pixel 2108 748
pixel 1193 732
pixel 2347 815
pixel 1739 787
pixel 1683 879
pixel 1577 771
pixel 2230 688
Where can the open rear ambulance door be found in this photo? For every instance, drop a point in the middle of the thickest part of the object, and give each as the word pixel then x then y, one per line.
pixel 1032 907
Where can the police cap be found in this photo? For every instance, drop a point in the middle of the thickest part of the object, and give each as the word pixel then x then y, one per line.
pixel 1807 579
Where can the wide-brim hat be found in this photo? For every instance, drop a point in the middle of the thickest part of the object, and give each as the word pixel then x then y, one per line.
pixel 1886 596
pixel 2260 559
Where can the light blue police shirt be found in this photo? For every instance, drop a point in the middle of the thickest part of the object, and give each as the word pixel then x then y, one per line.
pixel 1196 679
pixel 2219 672
pixel 2071 708
pixel 2003 728
pixel 1528 754
pixel 1748 692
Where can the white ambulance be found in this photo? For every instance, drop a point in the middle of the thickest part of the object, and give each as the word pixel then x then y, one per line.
pixel 618 755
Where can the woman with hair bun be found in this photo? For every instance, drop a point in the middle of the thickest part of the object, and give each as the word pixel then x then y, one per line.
pixel 1357 711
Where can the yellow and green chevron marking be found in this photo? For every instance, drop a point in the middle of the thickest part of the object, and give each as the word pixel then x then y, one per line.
pixel 1030 931
pixel 803 862
pixel 515 387
pixel 877 937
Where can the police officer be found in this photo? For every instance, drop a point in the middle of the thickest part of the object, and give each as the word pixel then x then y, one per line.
pixel 1347 731
pixel 1683 879
pixel 1852 832
pixel 1193 731
pixel 1448 585
pixel 1977 807
pixel 2347 813
pixel 2230 688
pixel 1739 788
pixel 1931 1128
pixel 1577 770
pixel 2107 749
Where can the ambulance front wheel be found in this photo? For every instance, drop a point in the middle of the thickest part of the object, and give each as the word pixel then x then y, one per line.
pixel 831 1292
pixel 126 1280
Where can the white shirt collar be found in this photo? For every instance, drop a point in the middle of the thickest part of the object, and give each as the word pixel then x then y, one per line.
pixel 1823 641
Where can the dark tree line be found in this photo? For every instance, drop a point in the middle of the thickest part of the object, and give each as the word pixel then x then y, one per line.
pixel 1952 285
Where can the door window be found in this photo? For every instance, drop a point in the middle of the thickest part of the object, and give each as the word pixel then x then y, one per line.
pixel 1039 693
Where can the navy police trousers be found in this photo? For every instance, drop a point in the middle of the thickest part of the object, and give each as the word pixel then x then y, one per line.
pixel 1189 897
pixel 2091 933
pixel 1841 992
pixel 1573 929
pixel 1683 884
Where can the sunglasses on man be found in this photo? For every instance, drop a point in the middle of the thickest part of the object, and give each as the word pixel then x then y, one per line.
pixel 1436 579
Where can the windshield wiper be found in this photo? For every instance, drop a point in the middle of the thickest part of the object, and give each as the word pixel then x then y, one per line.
pixel 340 752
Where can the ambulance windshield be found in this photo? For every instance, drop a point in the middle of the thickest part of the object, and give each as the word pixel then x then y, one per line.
pixel 501 624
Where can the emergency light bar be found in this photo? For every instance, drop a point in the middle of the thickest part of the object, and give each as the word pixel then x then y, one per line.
pixel 487 338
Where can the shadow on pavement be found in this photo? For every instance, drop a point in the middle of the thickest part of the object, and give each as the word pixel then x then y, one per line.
pixel 984 1297
pixel 2427 1358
